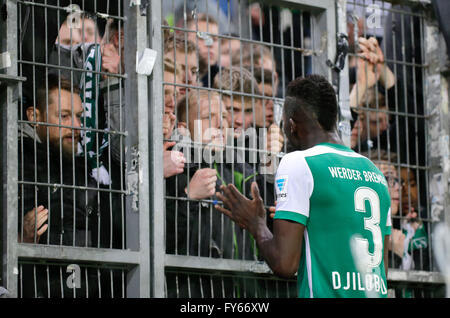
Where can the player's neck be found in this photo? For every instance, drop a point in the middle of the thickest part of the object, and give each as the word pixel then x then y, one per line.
pixel 322 136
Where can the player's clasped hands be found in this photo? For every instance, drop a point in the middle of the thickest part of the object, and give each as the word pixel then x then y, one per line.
pixel 272 211
pixel 244 212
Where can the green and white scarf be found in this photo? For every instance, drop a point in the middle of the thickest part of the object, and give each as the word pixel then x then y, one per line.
pixel 89 93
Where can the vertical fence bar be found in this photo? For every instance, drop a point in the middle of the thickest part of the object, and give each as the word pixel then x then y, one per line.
pixel 324 31
pixel 136 154
pixel 9 167
pixel 155 158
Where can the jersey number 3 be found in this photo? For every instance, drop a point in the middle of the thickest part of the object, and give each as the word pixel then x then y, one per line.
pixel 371 224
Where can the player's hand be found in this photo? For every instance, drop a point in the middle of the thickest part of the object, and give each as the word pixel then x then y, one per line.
pixel 244 212
pixel 34 222
pixel 202 184
pixel 173 160
pixel 272 212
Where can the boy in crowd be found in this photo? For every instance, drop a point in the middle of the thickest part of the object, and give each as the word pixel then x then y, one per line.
pixel 246 111
pixel 264 114
pixel 203 33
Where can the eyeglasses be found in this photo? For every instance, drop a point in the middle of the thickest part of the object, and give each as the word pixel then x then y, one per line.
pixel 392 181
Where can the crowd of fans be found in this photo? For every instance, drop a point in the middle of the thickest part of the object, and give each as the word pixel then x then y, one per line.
pixel 220 125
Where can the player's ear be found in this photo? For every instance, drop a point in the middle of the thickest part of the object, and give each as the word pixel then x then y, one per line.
pixel 293 126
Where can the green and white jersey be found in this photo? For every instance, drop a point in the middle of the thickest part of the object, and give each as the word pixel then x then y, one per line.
pixel 342 199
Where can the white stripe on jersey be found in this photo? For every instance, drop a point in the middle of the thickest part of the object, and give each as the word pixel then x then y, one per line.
pixel 308 263
pixel 292 197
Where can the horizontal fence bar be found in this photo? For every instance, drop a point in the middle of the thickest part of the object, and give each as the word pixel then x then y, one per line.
pixel 11 79
pixel 412 276
pixel 216 264
pixel 307 52
pixel 256 267
pixel 419 15
pixel 397 62
pixel 84 254
pixel 224 91
pixel 67 186
pixel 68 68
pixel 104 131
pixel 49 6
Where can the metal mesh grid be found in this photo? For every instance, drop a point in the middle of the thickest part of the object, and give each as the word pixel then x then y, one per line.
pixel 69 161
pixel 213 84
pixel 242 98
pixel 55 280
pixel 391 126
pixel 72 189
pixel 389 119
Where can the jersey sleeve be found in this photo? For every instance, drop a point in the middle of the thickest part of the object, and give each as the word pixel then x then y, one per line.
pixel 294 186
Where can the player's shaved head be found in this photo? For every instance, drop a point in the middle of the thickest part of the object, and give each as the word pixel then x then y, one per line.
pixel 309 112
pixel 315 96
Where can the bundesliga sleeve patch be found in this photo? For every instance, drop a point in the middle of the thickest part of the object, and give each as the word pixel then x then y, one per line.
pixel 281 183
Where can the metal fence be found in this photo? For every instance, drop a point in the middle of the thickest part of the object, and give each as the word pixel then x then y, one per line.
pixel 112 153
pixel 69 161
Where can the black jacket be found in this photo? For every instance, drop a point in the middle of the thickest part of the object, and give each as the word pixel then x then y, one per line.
pixel 77 217
pixel 48 179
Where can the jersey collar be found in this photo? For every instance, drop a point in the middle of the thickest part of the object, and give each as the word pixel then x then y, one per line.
pixel 335 146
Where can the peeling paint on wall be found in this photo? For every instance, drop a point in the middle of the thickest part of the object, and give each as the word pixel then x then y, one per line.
pixel 437 197
pixel 444 97
pixel 438 146
pixel 133 180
